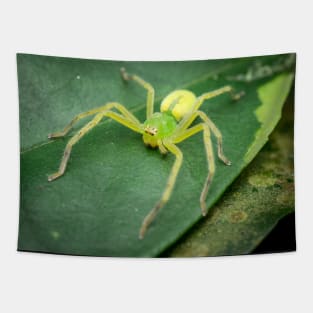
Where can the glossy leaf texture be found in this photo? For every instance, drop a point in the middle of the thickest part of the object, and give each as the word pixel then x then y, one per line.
pixel 112 180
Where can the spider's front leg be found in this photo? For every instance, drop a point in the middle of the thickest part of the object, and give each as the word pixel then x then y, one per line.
pixel 130 122
pixel 110 105
pixel 168 189
pixel 74 139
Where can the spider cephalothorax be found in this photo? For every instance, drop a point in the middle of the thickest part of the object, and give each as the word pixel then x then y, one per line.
pixel 162 129
pixel 158 127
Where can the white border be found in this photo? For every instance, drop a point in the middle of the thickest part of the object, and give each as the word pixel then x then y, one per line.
pixel 159 30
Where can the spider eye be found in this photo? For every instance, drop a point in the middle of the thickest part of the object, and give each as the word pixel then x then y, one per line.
pixel 151 130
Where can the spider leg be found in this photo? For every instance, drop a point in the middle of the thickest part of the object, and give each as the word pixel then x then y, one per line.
pixel 215 93
pixel 168 189
pixel 210 157
pixel 217 134
pixel 113 115
pixel 150 90
pixel 189 118
pixel 213 128
pixel 127 114
pixel 210 95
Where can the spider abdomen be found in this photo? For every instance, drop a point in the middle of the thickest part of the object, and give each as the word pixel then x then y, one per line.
pixel 179 103
pixel 157 127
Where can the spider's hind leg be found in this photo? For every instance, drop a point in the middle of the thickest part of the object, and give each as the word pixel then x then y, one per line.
pixel 150 90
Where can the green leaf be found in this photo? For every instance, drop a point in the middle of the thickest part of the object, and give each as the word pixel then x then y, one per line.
pixel 112 180
pixel 252 206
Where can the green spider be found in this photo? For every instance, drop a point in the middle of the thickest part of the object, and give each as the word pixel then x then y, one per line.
pixel 162 129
